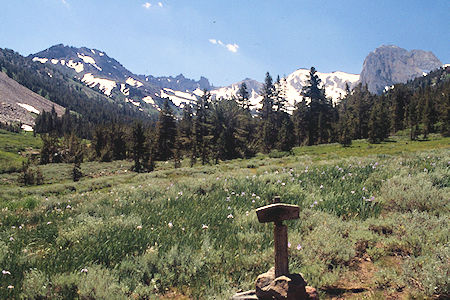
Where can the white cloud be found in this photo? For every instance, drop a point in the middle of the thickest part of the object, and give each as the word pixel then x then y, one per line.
pixel 147 5
pixel 230 47
pixel 160 4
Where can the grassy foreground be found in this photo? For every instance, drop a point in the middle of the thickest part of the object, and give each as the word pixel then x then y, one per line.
pixel 374 223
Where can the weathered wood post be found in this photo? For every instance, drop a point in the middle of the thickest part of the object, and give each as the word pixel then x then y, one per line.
pixel 278 212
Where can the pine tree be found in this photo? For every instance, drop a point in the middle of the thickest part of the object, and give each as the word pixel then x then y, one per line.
pixel 186 131
pixel 267 117
pixel 166 131
pixel 201 147
pixel 320 113
pixel 138 147
pixel 243 97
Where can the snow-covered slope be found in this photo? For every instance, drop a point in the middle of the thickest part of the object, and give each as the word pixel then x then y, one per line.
pixel 334 84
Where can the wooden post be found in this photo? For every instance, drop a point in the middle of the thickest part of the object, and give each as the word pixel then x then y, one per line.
pixel 281 250
pixel 278 212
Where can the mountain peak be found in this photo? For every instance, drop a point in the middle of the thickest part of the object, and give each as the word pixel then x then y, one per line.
pixel 390 64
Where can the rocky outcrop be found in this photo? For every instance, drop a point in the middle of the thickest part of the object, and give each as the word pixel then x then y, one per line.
pixel 388 65
pixel 290 287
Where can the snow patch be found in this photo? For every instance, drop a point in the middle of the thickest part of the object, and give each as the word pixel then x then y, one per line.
pixel 54 61
pixel 134 82
pixel 93 52
pixel 135 103
pixel 446 66
pixel 26 127
pixel 49 75
pixel 41 60
pixel 105 85
pixel 177 97
pixel 148 100
pixel 77 66
pixel 101 54
pixel 89 60
pixel 63 62
pixel 29 108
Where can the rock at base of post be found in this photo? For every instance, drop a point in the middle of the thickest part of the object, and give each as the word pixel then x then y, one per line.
pixel 249 295
pixel 291 286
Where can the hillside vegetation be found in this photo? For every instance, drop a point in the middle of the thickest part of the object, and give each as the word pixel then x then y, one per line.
pixel 374 223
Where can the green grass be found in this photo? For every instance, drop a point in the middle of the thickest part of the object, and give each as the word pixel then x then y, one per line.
pixel 396 145
pixel 13 147
pixel 118 234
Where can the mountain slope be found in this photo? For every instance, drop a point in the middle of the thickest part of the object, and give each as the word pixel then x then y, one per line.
pixel 52 83
pixel 97 70
pixel 388 65
pixel 19 104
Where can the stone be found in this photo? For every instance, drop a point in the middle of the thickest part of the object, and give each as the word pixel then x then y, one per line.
pixel 291 286
pixel 248 295
pixel 312 293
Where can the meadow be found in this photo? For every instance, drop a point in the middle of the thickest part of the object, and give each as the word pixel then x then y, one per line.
pixel 374 223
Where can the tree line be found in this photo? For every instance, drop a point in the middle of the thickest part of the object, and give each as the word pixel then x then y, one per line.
pixel 210 130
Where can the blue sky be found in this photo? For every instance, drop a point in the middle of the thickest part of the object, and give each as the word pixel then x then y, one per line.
pixel 227 41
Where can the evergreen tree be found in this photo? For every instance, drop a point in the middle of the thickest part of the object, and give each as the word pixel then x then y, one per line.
pixel 267 116
pixel 166 131
pixel 201 147
pixel 320 114
pixel 50 150
pixel 185 130
pixel 378 131
pixel 138 146
pixel 243 96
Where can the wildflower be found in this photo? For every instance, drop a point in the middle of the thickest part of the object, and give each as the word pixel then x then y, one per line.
pixel 253 201
pixel 321 186
pixel 247 213
pixel 4 272
pixel 371 198
pixel 84 270
pixel 228 198
pixel 11 239
pixel 10 286
pixel 170 225
pixel 364 188
pixel 425 170
pixel 253 194
pixel 204 226
pixel 180 193
pixel 258 197
pixel 289 245
pixel 243 194
pixel 68 207
pixel 299 247
pixel 352 192
pixel 283 183
pixel 230 216
pixel 229 207
pixel 139 227
pixel 315 203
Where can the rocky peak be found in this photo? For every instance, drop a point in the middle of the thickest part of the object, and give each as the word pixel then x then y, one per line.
pixel 390 64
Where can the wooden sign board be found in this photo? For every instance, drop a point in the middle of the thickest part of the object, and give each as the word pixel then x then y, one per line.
pixel 277 212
